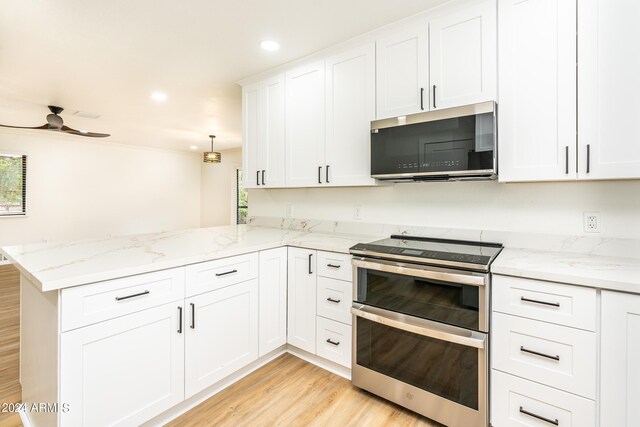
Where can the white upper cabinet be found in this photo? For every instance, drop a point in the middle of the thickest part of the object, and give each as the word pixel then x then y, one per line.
pixel 263 128
pixel 537 90
pixel 620 370
pixel 350 107
pixel 305 126
pixel 463 55
pixel 402 72
pixel 609 89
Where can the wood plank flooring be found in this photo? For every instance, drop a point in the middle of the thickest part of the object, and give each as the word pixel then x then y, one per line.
pixel 291 392
pixel 10 391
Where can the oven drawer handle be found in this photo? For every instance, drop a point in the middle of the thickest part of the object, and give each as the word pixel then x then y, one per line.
pixel 433 330
pixel 424 272
pixel 539 417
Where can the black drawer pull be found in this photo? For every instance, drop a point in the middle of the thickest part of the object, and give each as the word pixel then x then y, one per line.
pixel 333 266
pixel 553 304
pixel 227 272
pixel 541 418
pixel 193 315
pixel 179 320
pixel 333 342
pixel 132 296
pixel 548 356
pixel 333 300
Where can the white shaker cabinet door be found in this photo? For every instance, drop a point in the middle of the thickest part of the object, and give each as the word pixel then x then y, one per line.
pixel 305 126
pixel 271 98
pixel 123 371
pixel 620 356
pixel 609 89
pixel 251 136
pixel 537 97
pixel 221 334
pixel 301 331
pixel 350 108
pixel 273 299
pixel 463 56
pixel 402 72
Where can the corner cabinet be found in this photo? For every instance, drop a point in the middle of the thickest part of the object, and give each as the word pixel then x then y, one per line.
pixel 263 133
pixel 620 371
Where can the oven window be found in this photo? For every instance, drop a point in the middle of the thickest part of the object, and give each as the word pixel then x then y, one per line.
pixel 446 369
pixel 450 303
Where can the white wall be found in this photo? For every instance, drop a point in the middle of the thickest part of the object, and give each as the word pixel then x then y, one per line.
pixel 218 189
pixel 534 207
pixel 80 187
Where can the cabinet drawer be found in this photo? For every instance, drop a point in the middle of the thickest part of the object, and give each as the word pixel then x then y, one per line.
pixel 212 275
pixel 335 266
pixel 518 402
pixel 334 299
pixel 553 355
pixel 334 341
pixel 88 304
pixel 566 305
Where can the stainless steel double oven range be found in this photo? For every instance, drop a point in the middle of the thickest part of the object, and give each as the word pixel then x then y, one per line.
pixel 421 325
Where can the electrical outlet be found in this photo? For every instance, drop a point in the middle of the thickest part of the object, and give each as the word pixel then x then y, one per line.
pixel 289 210
pixel 592 222
pixel 357 212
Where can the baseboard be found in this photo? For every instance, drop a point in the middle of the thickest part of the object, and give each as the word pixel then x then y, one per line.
pixel 216 388
pixel 26 422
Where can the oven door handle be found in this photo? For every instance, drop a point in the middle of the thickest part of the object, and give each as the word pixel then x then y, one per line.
pixel 422 327
pixel 425 272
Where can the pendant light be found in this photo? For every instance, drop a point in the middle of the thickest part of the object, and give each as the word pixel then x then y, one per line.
pixel 212 156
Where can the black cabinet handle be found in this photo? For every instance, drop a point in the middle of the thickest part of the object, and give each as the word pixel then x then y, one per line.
pixel 566 159
pixel 263 177
pixel 422 98
pixel 257 177
pixel 333 342
pixel 310 272
pixel 226 272
pixel 326 178
pixel 132 296
pixel 548 356
pixel 193 315
pixel 553 304
pixel 588 158
pixel 333 266
pixel 434 96
pixel 333 300
pixel 319 173
pixel 539 417
pixel 179 320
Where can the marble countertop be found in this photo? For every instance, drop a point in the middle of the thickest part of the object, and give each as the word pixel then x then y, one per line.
pixel 54 266
pixel 614 273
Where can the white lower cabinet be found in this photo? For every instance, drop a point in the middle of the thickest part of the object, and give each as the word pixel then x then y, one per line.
pixel 221 332
pixel 123 371
pixel 301 296
pixel 334 341
pixel 518 402
pixel 620 360
pixel 273 300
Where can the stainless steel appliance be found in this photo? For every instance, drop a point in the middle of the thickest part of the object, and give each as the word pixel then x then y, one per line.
pixel 421 325
pixel 449 144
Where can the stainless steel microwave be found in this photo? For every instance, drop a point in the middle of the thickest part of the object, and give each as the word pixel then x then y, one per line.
pixel 450 144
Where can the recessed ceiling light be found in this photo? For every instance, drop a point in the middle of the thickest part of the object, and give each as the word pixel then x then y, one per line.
pixel 194 147
pixel 270 45
pixel 159 96
pixel 83 131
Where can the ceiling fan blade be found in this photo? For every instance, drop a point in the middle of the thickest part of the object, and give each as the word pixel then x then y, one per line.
pixel 67 129
pixel 26 127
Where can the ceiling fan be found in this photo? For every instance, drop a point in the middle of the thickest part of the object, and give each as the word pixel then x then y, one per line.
pixel 55 123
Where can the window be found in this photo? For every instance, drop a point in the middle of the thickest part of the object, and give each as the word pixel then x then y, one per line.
pixel 242 207
pixel 13 184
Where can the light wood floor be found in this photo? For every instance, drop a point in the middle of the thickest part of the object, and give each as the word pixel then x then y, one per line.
pixel 10 391
pixel 291 392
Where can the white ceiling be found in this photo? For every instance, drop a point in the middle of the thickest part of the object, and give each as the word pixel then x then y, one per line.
pixel 106 57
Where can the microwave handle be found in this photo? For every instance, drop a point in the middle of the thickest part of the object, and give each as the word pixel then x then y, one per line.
pixel 422 327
